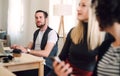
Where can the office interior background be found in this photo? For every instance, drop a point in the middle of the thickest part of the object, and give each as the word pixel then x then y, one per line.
pixel 17 17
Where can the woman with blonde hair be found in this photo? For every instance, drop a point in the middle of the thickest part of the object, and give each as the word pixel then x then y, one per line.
pixel 82 42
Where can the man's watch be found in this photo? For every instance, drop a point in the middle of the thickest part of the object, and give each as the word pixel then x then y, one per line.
pixel 28 50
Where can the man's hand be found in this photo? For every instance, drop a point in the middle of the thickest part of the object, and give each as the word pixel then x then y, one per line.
pixel 14 46
pixel 19 47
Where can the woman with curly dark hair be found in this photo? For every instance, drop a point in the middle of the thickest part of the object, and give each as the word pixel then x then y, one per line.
pixel 108 15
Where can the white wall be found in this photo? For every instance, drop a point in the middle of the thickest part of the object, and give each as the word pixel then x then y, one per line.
pixel 3 14
pixel 0 13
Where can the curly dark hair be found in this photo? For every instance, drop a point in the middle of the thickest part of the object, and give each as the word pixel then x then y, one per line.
pixel 107 12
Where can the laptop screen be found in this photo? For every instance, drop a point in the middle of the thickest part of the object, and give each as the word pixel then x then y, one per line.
pixel 5 50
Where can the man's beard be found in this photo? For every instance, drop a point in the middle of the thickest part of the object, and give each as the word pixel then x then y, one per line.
pixel 41 26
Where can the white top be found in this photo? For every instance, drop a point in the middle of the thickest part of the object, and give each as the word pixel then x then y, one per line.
pixel 52 37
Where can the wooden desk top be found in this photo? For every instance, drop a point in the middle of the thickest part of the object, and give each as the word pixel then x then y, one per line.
pixel 24 59
pixel 26 62
pixel 5 72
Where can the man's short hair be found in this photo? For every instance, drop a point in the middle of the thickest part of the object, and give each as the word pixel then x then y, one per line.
pixel 44 12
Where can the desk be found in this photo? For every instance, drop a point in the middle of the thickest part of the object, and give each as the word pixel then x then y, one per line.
pixel 5 72
pixel 27 62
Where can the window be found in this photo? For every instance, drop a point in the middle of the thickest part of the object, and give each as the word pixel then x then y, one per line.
pixel 15 19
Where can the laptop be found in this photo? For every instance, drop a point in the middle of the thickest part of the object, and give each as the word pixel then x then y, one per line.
pixel 4 50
